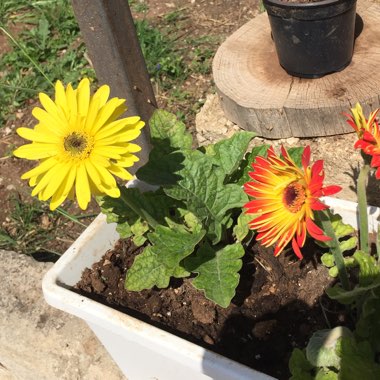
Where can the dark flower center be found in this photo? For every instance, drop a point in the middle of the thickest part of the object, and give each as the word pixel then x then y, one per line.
pixel 75 143
pixel 294 197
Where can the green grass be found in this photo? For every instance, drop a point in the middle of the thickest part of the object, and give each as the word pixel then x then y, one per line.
pixel 25 230
pixel 172 57
pixel 51 39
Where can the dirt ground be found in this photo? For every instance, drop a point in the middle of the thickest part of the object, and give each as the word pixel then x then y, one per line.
pixel 203 17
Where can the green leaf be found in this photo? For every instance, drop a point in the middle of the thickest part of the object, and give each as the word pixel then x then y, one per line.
pixel 43 31
pixel 325 374
pixel 246 165
pixel 327 260
pixel 369 271
pixel 321 349
pixel 159 262
pixel 241 228
pixel 347 245
pixel 217 271
pixel 151 207
pixel 341 229
pixel 357 361
pixel 138 231
pixel 168 133
pixel 296 155
pixel 191 221
pixel 202 190
pixel 169 138
pixel 228 153
pixel 299 366
pixel 368 326
pixel 333 271
pixel 346 297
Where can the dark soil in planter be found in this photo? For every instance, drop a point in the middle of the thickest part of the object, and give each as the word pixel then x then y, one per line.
pixel 279 303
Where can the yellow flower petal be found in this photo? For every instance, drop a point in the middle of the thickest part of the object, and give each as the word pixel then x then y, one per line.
pixel 35 135
pixel 63 191
pixel 44 166
pixel 60 97
pixel 43 182
pixel 59 175
pixel 36 151
pixel 120 172
pixel 83 97
pixel 50 121
pixel 72 104
pixel 92 173
pixel 102 95
pixel 82 187
pixel 106 112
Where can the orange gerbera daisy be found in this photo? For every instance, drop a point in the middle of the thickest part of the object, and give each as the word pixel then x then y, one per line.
pixel 285 197
pixel 369 134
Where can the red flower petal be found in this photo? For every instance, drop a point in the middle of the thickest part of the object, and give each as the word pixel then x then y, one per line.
pixel 306 157
pixel 296 249
pixel 329 190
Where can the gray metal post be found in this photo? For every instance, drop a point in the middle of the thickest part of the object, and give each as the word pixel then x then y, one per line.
pixel 109 33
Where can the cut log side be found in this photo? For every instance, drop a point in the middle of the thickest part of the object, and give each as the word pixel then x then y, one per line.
pixel 257 94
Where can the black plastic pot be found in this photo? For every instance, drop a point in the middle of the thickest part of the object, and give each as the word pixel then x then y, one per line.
pixel 313 39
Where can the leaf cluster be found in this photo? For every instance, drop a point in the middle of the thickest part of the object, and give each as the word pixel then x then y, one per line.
pixel 340 353
pixel 192 223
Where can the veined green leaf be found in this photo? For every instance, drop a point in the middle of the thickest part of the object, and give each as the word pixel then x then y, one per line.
pixel 134 207
pixel 299 366
pixel 321 350
pixel 228 153
pixel 241 228
pixel 368 326
pixel 357 360
pixel 202 190
pixel 169 138
pixel 246 164
pixel 369 271
pixel 217 271
pixel 168 133
pixel 159 262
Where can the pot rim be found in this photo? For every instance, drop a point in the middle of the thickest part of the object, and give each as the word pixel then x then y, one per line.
pixel 311 5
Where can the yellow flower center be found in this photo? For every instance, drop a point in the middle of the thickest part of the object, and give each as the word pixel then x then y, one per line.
pixel 78 145
pixel 294 197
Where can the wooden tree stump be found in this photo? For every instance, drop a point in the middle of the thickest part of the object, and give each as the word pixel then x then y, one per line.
pixel 257 94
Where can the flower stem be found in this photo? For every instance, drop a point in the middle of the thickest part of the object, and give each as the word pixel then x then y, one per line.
pixel 333 244
pixel 362 206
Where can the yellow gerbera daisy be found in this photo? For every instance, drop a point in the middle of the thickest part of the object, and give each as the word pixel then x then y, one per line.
pixel 80 144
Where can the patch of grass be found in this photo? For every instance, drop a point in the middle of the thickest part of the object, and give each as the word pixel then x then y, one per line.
pixel 139 6
pixel 162 58
pixel 31 227
pixel 172 56
pixel 28 228
pixel 10 10
pixel 51 39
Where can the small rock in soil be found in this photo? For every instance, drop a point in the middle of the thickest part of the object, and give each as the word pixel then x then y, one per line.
pixel 97 283
pixel 203 311
pixel 263 329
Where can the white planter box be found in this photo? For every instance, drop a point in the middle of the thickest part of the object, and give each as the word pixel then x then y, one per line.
pixel 143 351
